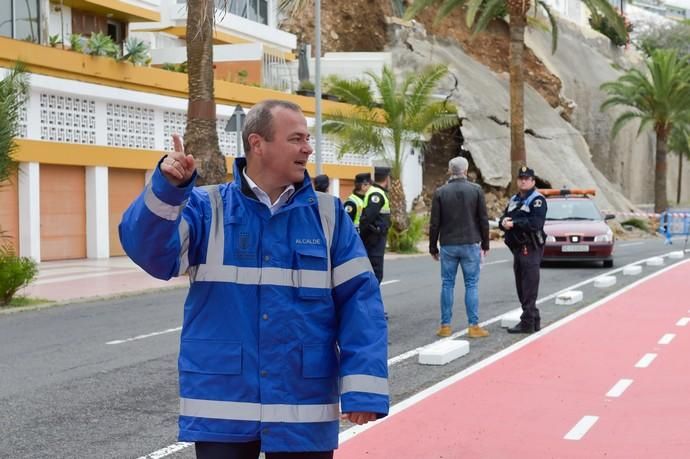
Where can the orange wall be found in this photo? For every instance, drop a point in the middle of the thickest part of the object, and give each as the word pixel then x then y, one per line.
pixel 63 212
pixel 9 210
pixel 346 187
pixel 123 186
pixel 228 71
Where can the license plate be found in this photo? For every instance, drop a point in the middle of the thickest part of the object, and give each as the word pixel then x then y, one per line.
pixel 575 248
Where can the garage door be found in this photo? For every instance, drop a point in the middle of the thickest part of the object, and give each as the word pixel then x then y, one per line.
pixel 63 212
pixel 346 187
pixel 123 186
pixel 9 212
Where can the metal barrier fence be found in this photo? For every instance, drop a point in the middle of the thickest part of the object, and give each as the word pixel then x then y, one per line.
pixel 674 224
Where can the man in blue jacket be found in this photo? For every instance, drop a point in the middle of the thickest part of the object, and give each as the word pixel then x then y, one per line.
pixel 284 317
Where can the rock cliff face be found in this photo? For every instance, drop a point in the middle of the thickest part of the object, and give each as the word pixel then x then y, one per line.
pixel 556 149
pixel 570 138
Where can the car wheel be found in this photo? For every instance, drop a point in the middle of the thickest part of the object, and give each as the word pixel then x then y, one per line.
pixel 608 263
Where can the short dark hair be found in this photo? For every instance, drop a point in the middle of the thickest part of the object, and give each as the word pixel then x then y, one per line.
pixel 260 120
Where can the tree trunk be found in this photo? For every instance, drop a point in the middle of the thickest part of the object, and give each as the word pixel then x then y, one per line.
pixel 517 96
pixel 660 201
pixel 680 176
pixel 201 137
pixel 399 219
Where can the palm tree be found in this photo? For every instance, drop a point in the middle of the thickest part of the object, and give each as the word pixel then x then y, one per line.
pixel 404 112
pixel 660 99
pixel 13 91
pixel 679 143
pixel 479 14
pixel 201 137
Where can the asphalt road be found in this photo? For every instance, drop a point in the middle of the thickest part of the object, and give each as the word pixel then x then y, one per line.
pixel 99 380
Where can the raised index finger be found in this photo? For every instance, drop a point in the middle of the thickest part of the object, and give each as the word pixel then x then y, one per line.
pixel 177 143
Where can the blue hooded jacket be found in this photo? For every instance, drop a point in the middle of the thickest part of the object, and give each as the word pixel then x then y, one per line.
pixel 282 320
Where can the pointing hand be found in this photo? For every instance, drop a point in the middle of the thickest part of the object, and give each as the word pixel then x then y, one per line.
pixel 177 167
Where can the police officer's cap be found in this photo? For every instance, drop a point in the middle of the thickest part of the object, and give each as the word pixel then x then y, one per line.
pixel 363 178
pixel 525 171
pixel 321 182
pixel 381 172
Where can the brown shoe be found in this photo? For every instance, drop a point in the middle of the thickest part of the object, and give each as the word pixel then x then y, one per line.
pixel 475 331
pixel 444 331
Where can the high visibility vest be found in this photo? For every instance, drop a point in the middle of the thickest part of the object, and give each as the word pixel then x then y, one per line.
pixel 386 208
pixel 359 207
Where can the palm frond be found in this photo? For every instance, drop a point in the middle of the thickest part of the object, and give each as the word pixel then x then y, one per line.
pixel 622 120
pixel 489 11
pixel 554 25
pixel 606 9
pixel 447 8
pixel 417 7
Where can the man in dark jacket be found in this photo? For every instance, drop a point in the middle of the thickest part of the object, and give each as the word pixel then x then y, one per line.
pixel 458 216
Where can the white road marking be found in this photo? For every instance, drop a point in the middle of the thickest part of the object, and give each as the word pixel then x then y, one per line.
pixel 167 451
pixel 395 281
pixel 683 322
pixel 418 397
pixel 148 335
pixel 667 338
pixel 645 361
pixel 618 388
pixel 629 244
pixel 581 428
pixel 495 262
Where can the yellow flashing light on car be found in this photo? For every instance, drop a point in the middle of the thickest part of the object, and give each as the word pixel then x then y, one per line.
pixel 568 192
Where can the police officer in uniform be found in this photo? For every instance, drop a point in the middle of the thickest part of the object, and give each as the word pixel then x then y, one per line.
pixel 354 205
pixel 523 224
pixel 376 219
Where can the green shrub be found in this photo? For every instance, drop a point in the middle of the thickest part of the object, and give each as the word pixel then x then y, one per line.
pixel 15 273
pixel 636 223
pixel 100 44
pixel 76 43
pixel 602 25
pixel 406 241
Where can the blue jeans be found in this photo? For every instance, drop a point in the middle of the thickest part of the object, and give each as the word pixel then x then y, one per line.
pixel 468 256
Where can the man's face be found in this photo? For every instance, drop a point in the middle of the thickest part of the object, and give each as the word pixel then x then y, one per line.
pixel 525 183
pixel 284 158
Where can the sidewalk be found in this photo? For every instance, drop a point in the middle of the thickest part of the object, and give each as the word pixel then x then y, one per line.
pixel 81 280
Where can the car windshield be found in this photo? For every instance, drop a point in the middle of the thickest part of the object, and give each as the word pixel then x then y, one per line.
pixel 572 209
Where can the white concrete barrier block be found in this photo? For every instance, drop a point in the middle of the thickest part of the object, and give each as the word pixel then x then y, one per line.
pixel 442 352
pixel 655 261
pixel 604 281
pixel 511 319
pixel 569 297
pixel 632 270
pixel 676 255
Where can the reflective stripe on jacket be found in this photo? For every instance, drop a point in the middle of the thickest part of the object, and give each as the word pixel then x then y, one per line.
pixel 282 320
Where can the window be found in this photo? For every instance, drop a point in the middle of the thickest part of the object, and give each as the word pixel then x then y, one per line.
pixel 254 10
pixel 19 19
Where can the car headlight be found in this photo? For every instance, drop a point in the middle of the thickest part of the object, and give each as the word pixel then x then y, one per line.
pixel 550 238
pixel 607 237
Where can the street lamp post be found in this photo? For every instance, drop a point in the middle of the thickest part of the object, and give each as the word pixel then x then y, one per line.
pixel 236 123
pixel 317 85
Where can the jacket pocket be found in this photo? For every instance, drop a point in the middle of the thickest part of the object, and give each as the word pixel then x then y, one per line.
pixel 207 356
pixel 318 361
pixel 311 274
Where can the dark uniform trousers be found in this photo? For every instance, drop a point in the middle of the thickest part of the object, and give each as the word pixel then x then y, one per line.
pixel 249 450
pixel 526 269
pixel 377 266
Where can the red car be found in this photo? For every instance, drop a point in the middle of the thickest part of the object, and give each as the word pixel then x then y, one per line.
pixel 576 230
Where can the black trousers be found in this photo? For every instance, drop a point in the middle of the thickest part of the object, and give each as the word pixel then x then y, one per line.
pixel 377 266
pixel 526 269
pixel 250 450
